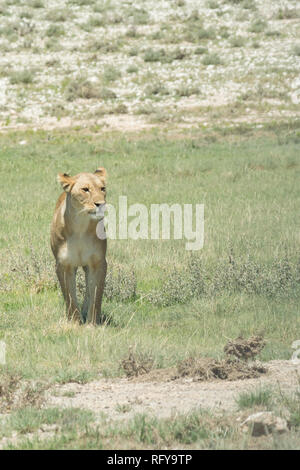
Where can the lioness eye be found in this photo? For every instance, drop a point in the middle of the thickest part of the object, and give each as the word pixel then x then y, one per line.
pixel 85 189
pixel 103 189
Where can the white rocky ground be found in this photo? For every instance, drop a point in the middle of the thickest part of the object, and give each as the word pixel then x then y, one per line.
pixel 257 79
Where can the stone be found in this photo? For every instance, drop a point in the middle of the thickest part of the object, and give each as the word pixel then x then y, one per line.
pixel 264 423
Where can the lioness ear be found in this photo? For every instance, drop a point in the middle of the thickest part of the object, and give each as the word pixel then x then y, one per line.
pixel 66 181
pixel 101 172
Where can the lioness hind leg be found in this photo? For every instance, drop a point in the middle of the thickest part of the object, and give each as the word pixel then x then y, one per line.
pixel 67 280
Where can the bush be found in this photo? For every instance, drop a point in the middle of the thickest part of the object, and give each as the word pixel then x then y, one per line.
pixel 58 15
pixel 157 55
pixel 120 284
pixel 55 30
pixel 238 41
pixel 37 4
pixel 25 76
pixel 185 90
pixel 196 280
pixel 296 50
pixel 161 55
pixel 287 13
pixel 212 59
pixel 156 89
pixel 110 73
pixel 80 87
pixel 201 50
pixel 132 69
pixel 258 26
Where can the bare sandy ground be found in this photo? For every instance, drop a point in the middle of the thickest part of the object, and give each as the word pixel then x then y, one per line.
pixel 157 394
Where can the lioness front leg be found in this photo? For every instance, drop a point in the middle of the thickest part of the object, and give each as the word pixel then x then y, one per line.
pixel 96 279
pixel 67 280
pixel 85 305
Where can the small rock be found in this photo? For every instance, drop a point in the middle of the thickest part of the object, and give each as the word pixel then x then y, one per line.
pixel 263 423
pixel 49 428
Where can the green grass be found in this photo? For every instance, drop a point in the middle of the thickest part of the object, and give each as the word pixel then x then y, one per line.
pixel 248 183
pixel 260 397
pixel 27 420
pixel 78 429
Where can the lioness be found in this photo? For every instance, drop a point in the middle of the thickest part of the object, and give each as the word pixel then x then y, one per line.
pixel 74 241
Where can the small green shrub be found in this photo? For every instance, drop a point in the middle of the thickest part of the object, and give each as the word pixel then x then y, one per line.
pixel 55 30
pixel 273 33
pixel 96 21
pixel 37 4
pixel 58 15
pixel 287 13
pixel 185 90
pixel 238 41
pixel 212 59
pixel 120 284
pixel 104 45
pixel 133 52
pixel 132 32
pixel 82 2
pixel 201 50
pixel 25 77
pixel 26 14
pixel 212 4
pixel 110 74
pixel 138 16
pixel 80 87
pixel 296 50
pixel 224 32
pixel 52 44
pixel 249 4
pixel 198 34
pixel 258 26
pixel 152 55
pixel 156 89
pixel 132 69
pixel 107 94
pixel 121 108
pixel 161 55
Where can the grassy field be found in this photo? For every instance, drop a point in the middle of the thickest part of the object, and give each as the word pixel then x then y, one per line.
pixel 250 191
pixel 162 302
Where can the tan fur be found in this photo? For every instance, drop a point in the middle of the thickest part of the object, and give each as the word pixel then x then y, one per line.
pixel 74 241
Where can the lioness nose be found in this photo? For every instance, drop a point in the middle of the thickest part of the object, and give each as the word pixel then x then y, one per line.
pixel 98 204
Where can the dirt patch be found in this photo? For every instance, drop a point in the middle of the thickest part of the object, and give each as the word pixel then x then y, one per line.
pixel 245 349
pixel 8 387
pixel 136 364
pixel 159 394
pixel 16 393
pixel 209 369
pixel 235 366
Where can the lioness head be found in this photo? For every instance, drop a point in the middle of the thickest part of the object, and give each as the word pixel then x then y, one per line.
pixel 87 192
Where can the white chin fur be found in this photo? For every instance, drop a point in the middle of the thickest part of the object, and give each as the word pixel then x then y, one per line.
pixel 96 217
